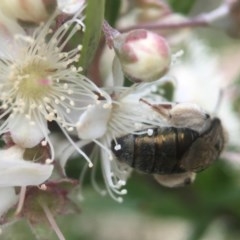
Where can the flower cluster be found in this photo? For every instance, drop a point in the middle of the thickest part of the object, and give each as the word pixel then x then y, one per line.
pixel 49 109
pixel 42 86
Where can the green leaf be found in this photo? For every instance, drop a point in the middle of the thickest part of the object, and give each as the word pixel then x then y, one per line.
pixel 112 11
pixel 183 6
pixel 91 37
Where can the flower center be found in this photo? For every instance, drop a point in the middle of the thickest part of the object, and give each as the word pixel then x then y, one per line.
pixel 33 80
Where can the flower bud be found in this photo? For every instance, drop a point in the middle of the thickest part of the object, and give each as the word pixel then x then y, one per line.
pixel 145 56
pixel 27 10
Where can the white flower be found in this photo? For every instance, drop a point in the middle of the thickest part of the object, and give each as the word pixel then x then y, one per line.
pixel 39 82
pixel 15 171
pixel 103 123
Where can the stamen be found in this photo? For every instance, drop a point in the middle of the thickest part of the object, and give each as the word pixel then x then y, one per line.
pixel 21 200
pixel 97 188
pixel 52 222
pixel 104 148
pixel 90 164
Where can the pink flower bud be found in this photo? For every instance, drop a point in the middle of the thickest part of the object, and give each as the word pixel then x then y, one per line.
pixel 27 10
pixel 144 56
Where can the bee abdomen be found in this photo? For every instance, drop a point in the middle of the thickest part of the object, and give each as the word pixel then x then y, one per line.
pixel 159 153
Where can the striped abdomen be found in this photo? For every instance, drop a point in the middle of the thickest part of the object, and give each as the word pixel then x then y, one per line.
pixel 160 153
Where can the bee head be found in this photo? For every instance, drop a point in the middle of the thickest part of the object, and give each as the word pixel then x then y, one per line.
pixel 206 148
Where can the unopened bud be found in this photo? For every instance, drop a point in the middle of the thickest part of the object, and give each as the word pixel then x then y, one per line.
pixel 28 11
pixel 144 56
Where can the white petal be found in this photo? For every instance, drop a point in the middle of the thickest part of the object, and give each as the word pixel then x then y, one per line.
pixel 8 28
pixel 18 172
pixel 70 6
pixel 93 122
pixel 28 10
pixel 8 198
pixel 11 153
pixel 25 134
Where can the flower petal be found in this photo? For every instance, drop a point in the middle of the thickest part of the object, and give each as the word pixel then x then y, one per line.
pixel 70 6
pixel 93 122
pixel 8 28
pixel 31 11
pixel 11 153
pixel 18 172
pixel 8 198
pixel 25 134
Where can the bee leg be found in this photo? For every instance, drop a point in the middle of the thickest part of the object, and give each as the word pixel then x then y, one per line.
pixel 176 179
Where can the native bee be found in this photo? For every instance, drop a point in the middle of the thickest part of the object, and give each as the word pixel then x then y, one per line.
pixel 190 142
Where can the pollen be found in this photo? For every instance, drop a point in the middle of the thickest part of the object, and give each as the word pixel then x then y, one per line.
pixel 32 80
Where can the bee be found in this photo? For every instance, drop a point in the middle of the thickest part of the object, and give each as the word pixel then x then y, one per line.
pixel 190 142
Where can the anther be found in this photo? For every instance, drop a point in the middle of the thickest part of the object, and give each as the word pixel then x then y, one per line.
pixel 44 143
pixel 49 161
pixel 117 147
pixel 90 165
pixel 43 187
pixel 150 132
